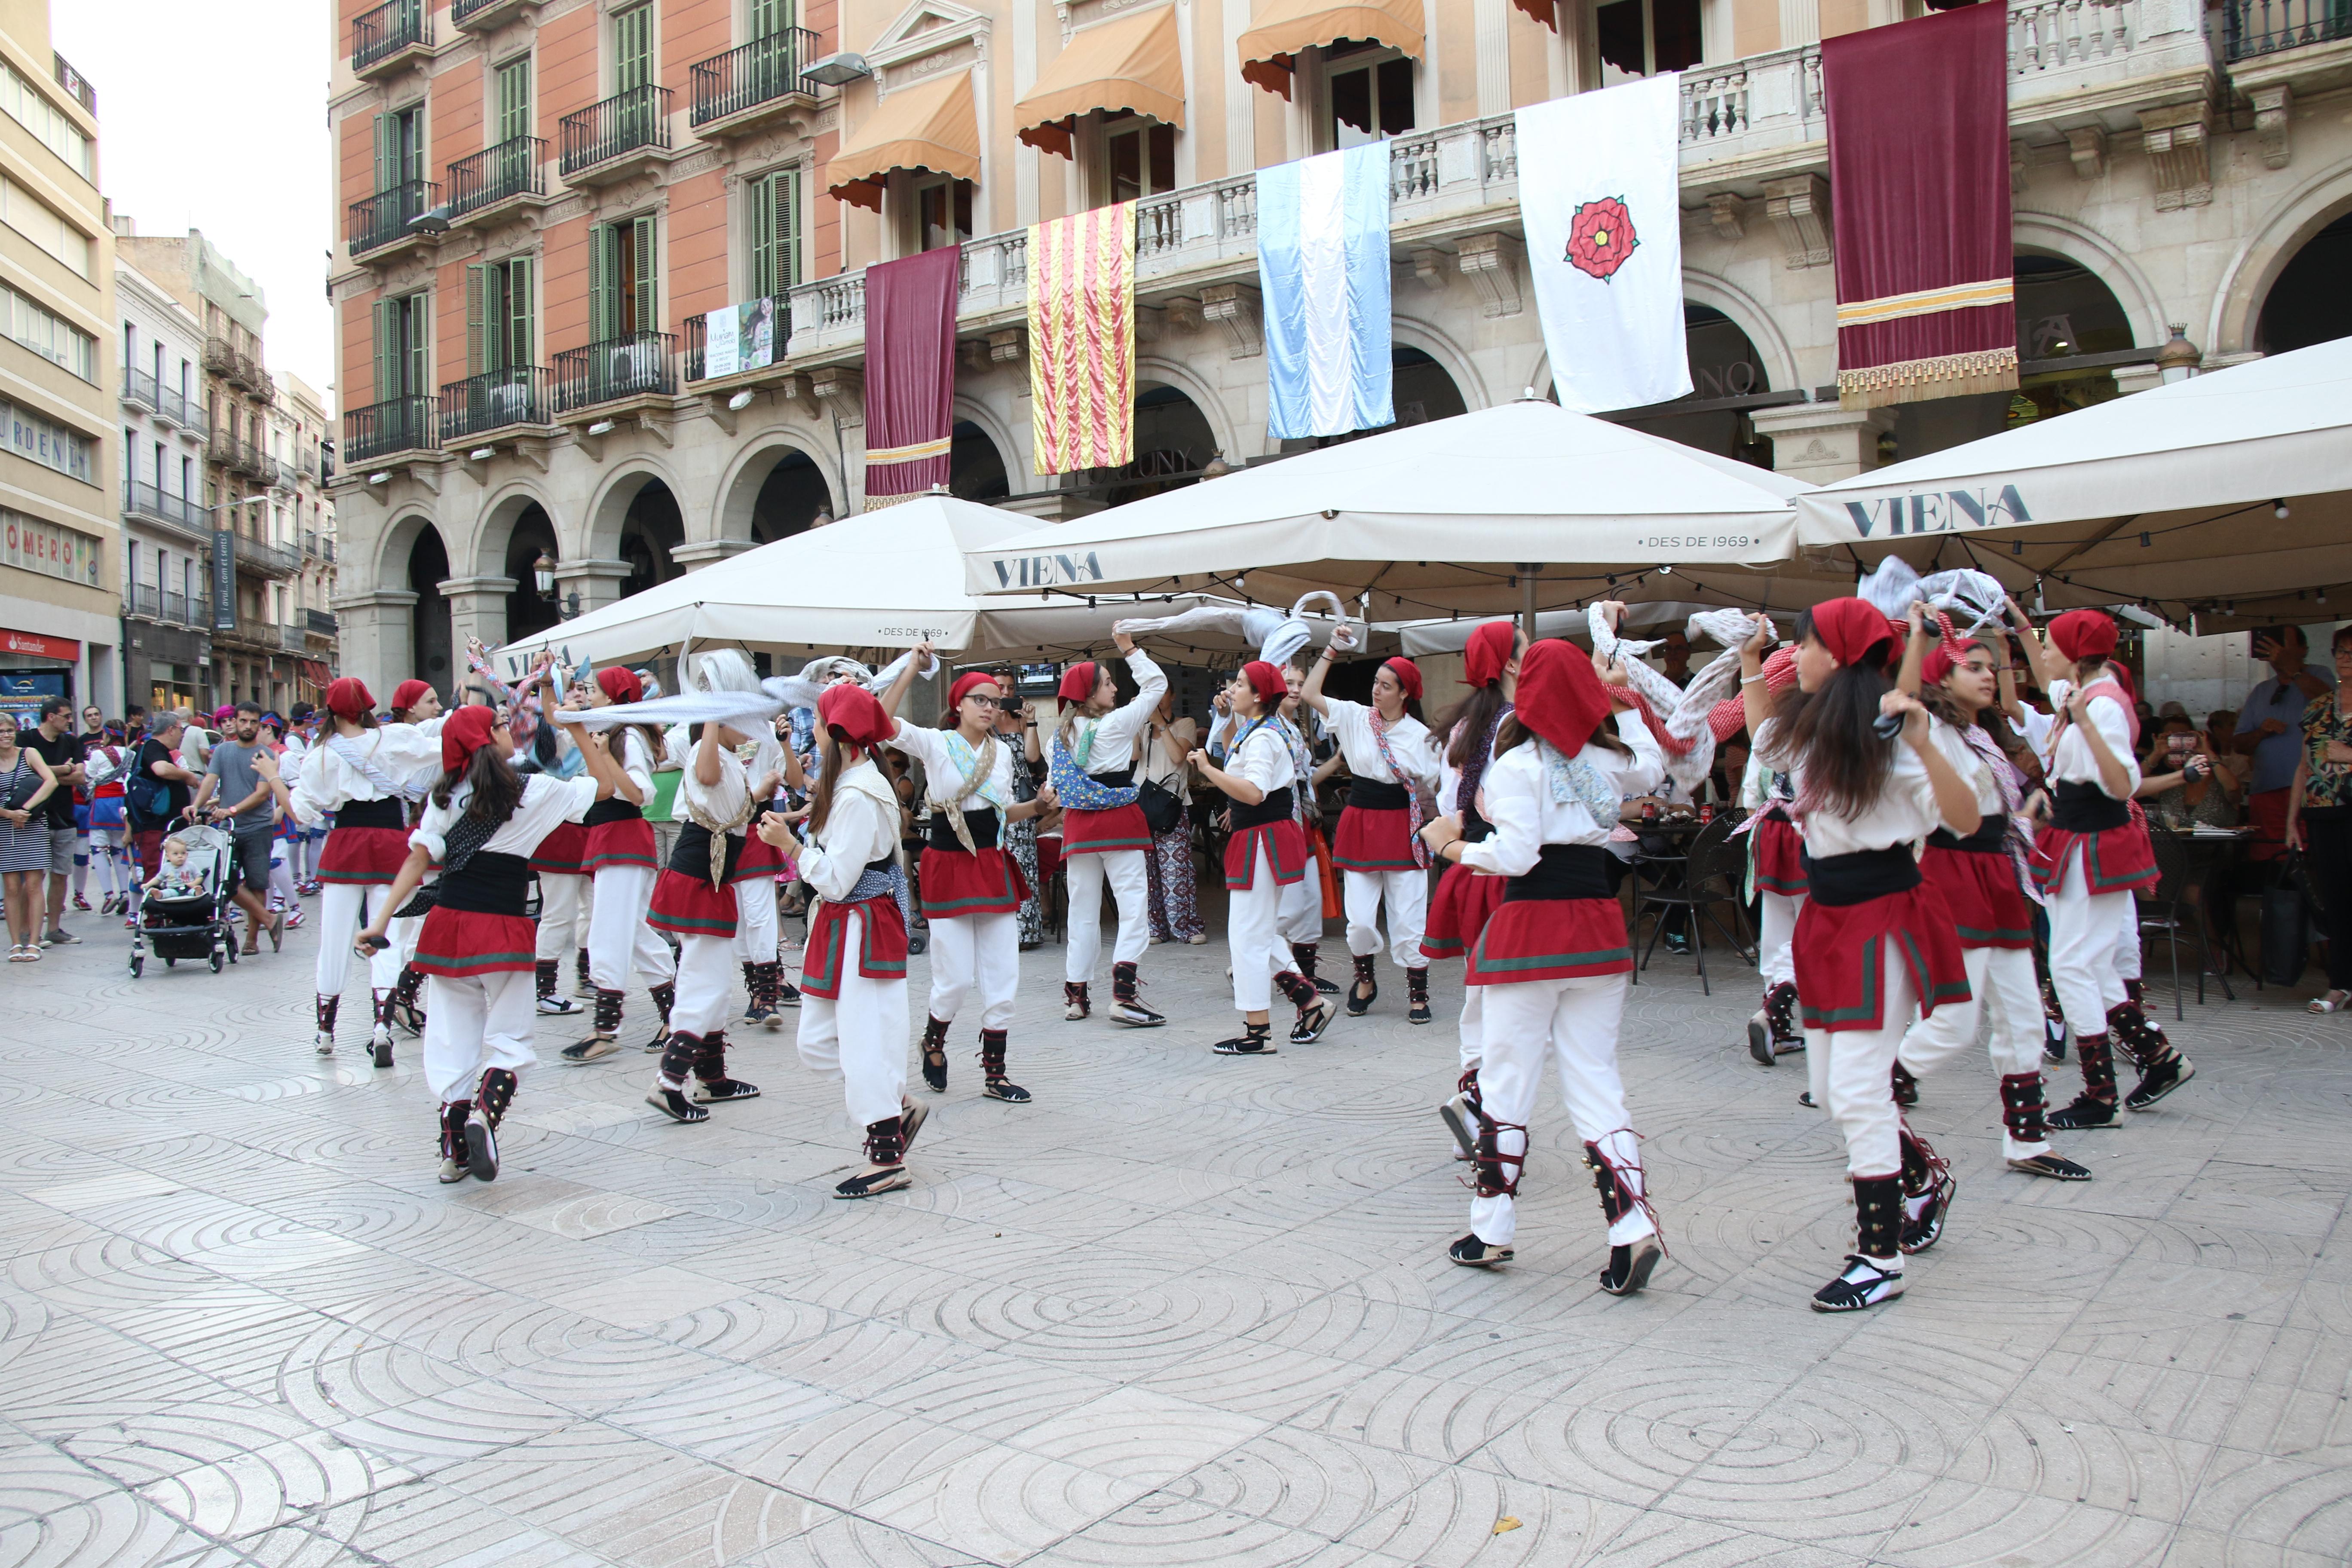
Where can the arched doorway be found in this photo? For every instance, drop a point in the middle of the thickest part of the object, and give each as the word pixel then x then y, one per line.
pixel 1723 369
pixel 429 636
pixel 790 499
pixel 2309 304
pixel 1420 390
pixel 533 535
pixel 975 468
pixel 1172 445
pixel 650 529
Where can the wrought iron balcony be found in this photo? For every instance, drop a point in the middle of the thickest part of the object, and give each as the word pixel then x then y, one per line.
pixel 512 168
pixel 318 623
pixel 763 71
pixel 175 606
pixel 2252 28
pixel 140 391
pixel 396 424
pixel 74 82
pixel 781 320
pixel 144 504
pixel 269 560
pixel 602 137
pixel 290 638
pixel 143 599
pixel 380 219
pixel 494 400
pixel 380 37
pixel 614 368
pixel 483 14
pixel 231 363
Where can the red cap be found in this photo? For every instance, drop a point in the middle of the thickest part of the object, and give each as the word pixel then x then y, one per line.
pixel 1078 682
pixel 1560 696
pixel 466 731
pixel 1265 680
pixel 404 695
pixel 854 715
pixel 349 698
pixel 620 685
pixel 969 681
pixel 1850 629
pixel 1408 675
pixel 2084 634
pixel 1944 658
pixel 1488 651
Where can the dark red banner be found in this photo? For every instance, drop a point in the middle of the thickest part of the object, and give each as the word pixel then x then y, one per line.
pixel 910 316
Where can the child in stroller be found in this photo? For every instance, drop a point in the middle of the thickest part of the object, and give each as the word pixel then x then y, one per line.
pixel 182 912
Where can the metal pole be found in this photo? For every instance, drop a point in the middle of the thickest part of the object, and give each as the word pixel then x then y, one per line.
pixel 1527 569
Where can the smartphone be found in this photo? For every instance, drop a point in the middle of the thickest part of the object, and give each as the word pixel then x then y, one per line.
pixel 375 944
pixel 2180 745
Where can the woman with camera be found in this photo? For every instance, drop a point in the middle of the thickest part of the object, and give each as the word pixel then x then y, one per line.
pixel 2320 818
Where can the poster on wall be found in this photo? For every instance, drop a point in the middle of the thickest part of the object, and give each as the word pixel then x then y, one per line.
pixel 739 338
pixel 22 692
pixel 224 580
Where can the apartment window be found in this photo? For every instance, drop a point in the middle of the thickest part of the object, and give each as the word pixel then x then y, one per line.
pixel 159 467
pixel 632 49
pixel 399 147
pixel 187 478
pixel 1138 158
pixel 403 333
pixel 48 444
pixel 942 212
pixel 499 316
pixel 47 335
pixel 773 217
pixel 50 125
pixel 20 211
pixel 513 97
pixel 624 290
pixel 766 18
pixel 1370 92
pixel 1642 38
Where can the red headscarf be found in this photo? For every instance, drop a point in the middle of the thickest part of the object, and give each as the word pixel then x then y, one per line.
pixel 349 698
pixel 463 733
pixel 969 681
pixel 619 685
pixel 1729 717
pixel 857 713
pixel 1078 682
pixel 405 694
pixel 1408 675
pixel 1850 629
pixel 1944 658
pixel 1265 680
pixel 1488 651
pixel 1560 696
pixel 2084 634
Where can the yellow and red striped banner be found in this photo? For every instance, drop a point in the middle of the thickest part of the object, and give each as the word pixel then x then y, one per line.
pixel 1082 340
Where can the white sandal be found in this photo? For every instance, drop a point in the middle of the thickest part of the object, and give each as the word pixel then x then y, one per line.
pixel 2332 1002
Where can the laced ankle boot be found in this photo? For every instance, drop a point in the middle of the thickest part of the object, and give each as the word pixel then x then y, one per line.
pixel 380 1029
pixel 1303 954
pixel 751 991
pixel 712 1084
pixel 2096 1106
pixel 669 1093
pixel 2054 1025
pixel 1366 990
pixel 765 1001
pixel 1126 999
pixel 1315 1013
pixel 604 1029
pixel 2024 1119
pixel 495 1092
pixel 404 999
pixel 935 1054
pixel 1874 1271
pixel 1928 1189
pixel 581 984
pixel 1075 1005
pixel 1416 996
pixel 1630 1263
pixel 1904 1087
pixel 454 1153
pixel 665 997
pixel 994 1084
pixel 885 1149
pixel 325 1041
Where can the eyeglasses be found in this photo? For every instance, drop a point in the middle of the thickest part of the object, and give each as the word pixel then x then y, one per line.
pixel 984 701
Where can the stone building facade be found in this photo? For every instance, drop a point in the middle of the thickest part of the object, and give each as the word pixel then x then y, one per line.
pixel 544 197
pixel 167 531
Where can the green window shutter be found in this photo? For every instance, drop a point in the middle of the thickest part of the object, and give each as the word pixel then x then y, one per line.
pixel 387 359
pixel 769 17
pixel 477 285
pixel 418 309
pixel 760 221
pixel 649 311
pixel 632 49
pixel 601 282
pixel 514 99
pixel 383 152
pixel 519 312
pixel 787 203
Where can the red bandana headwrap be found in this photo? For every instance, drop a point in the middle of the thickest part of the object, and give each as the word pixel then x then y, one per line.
pixel 349 698
pixel 1560 696
pixel 1078 682
pixel 1408 676
pixel 1266 681
pixel 2084 634
pixel 1850 629
pixel 857 713
pixel 1488 651
pixel 621 685
pixel 463 733
pixel 967 683
pixel 405 694
pixel 1944 658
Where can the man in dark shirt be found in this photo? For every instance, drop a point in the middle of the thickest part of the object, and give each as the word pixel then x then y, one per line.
pixel 54 741
pixel 157 759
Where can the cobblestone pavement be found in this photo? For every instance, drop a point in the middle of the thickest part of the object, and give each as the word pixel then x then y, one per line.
pixel 1180 1309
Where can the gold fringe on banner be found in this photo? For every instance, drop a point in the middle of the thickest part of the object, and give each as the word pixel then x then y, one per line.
pixel 1917 380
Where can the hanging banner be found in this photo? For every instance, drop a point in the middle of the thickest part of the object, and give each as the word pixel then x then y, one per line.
pixel 739 338
pixel 1323 274
pixel 224 580
pixel 1918 127
pixel 910 312
pixel 1600 183
pixel 1082 340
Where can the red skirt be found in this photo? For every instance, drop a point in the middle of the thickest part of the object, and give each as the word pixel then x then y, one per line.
pixel 1100 832
pixel 628 842
pixel 881 946
pixel 464 945
pixel 758 858
pixel 1988 909
pixel 985 882
pixel 1458 911
pixel 1777 844
pixel 690 906
pixel 1373 841
pixel 559 853
pixel 366 854
pixel 1840 952
pixel 1286 850
pixel 1551 939
pixel 2114 861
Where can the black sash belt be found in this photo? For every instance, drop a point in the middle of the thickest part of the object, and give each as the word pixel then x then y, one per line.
pixel 1375 795
pixel 1989 838
pixel 371 814
pixel 982 824
pixel 1117 778
pixel 487 884
pixel 1856 879
pixel 611 809
pixel 690 855
pixel 2086 808
pixel 1275 807
pixel 1567 872
pixel 1474 827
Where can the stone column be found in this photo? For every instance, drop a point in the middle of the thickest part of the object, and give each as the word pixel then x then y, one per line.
pixel 478 608
pixel 598 583
pixel 378 637
pixel 1820 442
pixel 704 552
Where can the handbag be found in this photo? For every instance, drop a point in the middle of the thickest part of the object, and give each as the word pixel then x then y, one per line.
pixel 1162 812
pixel 21 785
pixel 2286 922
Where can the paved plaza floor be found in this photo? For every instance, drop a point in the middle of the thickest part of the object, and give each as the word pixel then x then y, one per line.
pixel 1180 1309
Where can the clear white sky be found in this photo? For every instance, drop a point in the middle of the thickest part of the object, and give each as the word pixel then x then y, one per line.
pixel 212 115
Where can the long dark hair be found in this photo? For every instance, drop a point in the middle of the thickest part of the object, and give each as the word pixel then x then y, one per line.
pixel 1829 732
pixel 833 757
pixel 656 745
pixel 497 787
pixel 1604 735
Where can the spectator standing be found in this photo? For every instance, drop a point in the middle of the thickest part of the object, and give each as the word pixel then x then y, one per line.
pixel 2270 731
pixel 54 742
pixel 1016 726
pixel 251 813
pixel 26 786
pixel 2319 817
pixel 157 794
pixel 1173 884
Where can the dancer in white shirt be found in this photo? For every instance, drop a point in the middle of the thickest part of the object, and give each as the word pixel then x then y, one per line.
pixel 1105 838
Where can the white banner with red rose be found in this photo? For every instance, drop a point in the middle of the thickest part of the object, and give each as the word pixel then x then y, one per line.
pixel 1598 186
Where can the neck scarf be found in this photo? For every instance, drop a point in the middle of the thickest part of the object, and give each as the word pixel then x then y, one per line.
pixel 979 764
pixel 1413 812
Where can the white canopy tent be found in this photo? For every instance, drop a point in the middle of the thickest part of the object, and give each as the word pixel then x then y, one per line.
pixel 2227 495
pixel 1443 518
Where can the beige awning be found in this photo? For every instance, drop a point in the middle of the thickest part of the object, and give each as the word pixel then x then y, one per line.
pixel 1135 63
pixel 932 126
pixel 1287 27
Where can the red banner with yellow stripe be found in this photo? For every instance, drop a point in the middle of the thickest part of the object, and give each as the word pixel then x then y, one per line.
pixel 1082 340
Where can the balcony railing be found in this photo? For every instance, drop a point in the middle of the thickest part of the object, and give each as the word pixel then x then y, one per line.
pixel 2252 28
pixel 175 606
pixel 614 368
pixel 144 502
pixel 761 71
pixel 164 403
pixel 225 360
pixel 622 123
pixel 318 623
pixel 140 599
pixel 378 220
pixel 74 82
pixel 464 11
pixel 291 638
pixel 493 400
pixel 512 168
pixel 780 316
pixel 395 424
pixel 270 560
pixel 378 35
pixel 139 390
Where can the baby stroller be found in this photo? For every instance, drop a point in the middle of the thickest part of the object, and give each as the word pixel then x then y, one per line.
pixel 191 925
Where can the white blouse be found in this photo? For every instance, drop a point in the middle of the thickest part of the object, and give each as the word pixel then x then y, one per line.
pixel 409 755
pixel 1904 812
pixel 946 756
pixel 1527 817
pixel 2075 762
pixel 547 804
pixel 1264 758
pixel 1115 733
pixel 1409 738
pixel 859 830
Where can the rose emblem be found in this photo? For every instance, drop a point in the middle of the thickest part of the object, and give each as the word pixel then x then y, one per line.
pixel 1600 237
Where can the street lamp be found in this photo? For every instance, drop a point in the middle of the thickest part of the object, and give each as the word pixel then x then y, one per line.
pixel 542 576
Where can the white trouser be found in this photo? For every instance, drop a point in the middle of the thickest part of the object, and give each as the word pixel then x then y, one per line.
pixel 1301 919
pixel 1574 1024
pixel 2084 931
pixel 2127 946
pixel 1406 893
pixel 976 950
pixel 1252 937
pixel 706 984
pixel 1131 889
pixel 562 919
pixel 861 1038
pixel 281 883
pixel 755 920
pixel 2003 992
pixel 403 934
pixel 1774 933
pixel 472 1026
pixel 619 939
pixel 1473 1027
pixel 1852 1071
pixel 344 909
pixel 106 852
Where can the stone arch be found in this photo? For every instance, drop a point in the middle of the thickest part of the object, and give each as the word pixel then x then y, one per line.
pixel 750 509
pixel 2142 306
pixel 1414 332
pixel 1764 333
pixel 982 453
pixel 596 535
pixel 396 544
pixel 2246 281
pixel 494 526
pixel 1199 393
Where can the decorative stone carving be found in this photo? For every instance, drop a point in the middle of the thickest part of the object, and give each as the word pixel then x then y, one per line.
pixel 1491 262
pixel 841 392
pixel 2017 155
pixel 1724 210
pixel 1234 307
pixel 1151 323
pixel 973 353
pixel 1428 265
pixel 2087 147
pixel 2175 138
pixel 2273 108
pixel 532 451
pixel 1184 314
pixel 1005 347
pixel 1799 207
